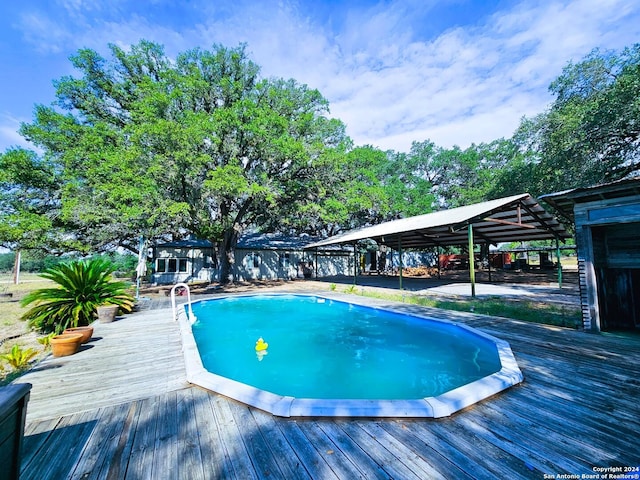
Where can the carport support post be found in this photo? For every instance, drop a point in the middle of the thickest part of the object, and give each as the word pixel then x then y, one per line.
pixel 489 260
pixel 315 251
pixel 559 264
pixel 355 263
pixel 472 261
pixel 400 260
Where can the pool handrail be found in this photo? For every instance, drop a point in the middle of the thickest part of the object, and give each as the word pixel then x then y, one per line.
pixel 191 316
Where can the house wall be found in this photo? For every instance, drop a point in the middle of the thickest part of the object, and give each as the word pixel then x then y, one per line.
pixel 283 264
pixel 264 265
pixel 198 265
pixel 412 259
pixel 250 264
pixel 609 262
pixel 330 264
pixel 269 264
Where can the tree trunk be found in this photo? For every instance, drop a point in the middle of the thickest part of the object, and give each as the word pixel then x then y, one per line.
pixel 227 255
pixel 16 268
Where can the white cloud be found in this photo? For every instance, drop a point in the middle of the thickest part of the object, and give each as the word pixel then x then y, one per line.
pixel 45 34
pixel 472 85
pixel 389 84
pixel 9 135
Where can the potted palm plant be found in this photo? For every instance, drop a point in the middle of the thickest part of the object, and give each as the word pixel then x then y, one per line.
pixel 83 286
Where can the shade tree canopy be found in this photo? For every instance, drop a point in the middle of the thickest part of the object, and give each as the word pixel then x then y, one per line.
pixel 589 135
pixel 29 202
pixel 201 145
pixel 142 144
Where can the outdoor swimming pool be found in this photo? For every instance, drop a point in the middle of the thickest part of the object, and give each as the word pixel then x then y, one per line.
pixel 330 357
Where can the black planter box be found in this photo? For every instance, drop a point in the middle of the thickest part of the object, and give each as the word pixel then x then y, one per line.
pixel 13 410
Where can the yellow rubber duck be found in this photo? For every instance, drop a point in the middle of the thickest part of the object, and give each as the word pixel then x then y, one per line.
pixel 261 345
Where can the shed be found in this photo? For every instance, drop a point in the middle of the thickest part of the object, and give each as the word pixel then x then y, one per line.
pixel 607 222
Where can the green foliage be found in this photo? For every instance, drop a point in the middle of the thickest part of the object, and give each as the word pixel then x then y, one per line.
pixel 6 261
pixel 28 200
pixel 432 178
pixel 409 180
pixel 595 120
pixel 143 144
pixel 200 144
pixel 342 191
pixel 352 289
pixel 35 261
pixel 30 261
pixel 83 286
pixel 589 135
pixel 18 357
pixel 46 340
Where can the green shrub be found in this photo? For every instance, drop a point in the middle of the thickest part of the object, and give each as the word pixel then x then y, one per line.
pixel 83 286
pixel 46 340
pixel 18 357
pixel 351 289
pixel 6 261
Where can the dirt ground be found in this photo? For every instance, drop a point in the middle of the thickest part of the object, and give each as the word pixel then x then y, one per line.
pixel 534 286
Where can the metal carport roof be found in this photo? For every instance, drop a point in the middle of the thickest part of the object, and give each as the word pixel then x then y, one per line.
pixel 564 201
pixel 509 219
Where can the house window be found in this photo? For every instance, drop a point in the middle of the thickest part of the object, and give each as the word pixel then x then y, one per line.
pixel 252 260
pixel 210 261
pixel 285 260
pixel 171 265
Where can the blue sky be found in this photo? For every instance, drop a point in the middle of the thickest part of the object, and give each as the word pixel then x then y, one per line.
pixel 453 71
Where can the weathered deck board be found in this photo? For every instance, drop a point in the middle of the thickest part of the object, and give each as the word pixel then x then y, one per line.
pixel 136 357
pixel 121 408
pixel 188 442
pixel 215 461
pixel 277 441
pixel 310 457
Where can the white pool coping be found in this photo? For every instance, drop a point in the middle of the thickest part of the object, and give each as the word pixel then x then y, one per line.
pixel 443 405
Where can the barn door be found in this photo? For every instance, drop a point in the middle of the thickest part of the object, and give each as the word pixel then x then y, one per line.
pixel 619 295
pixel 617 261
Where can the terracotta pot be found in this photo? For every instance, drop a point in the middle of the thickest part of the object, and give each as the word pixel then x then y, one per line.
pixel 65 344
pixel 107 313
pixel 86 332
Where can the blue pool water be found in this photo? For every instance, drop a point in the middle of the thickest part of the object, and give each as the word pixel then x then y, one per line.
pixel 327 349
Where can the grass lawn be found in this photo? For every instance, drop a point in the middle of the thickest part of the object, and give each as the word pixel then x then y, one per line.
pixel 529 311
pixel 13 330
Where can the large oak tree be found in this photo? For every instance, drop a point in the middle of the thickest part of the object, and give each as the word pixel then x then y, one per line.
pixel 149 146
pixel 589 135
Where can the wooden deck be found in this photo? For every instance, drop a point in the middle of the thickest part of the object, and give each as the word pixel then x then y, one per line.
pixel 121 408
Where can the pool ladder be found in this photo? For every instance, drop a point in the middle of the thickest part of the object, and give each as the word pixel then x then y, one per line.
pixel 190 316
